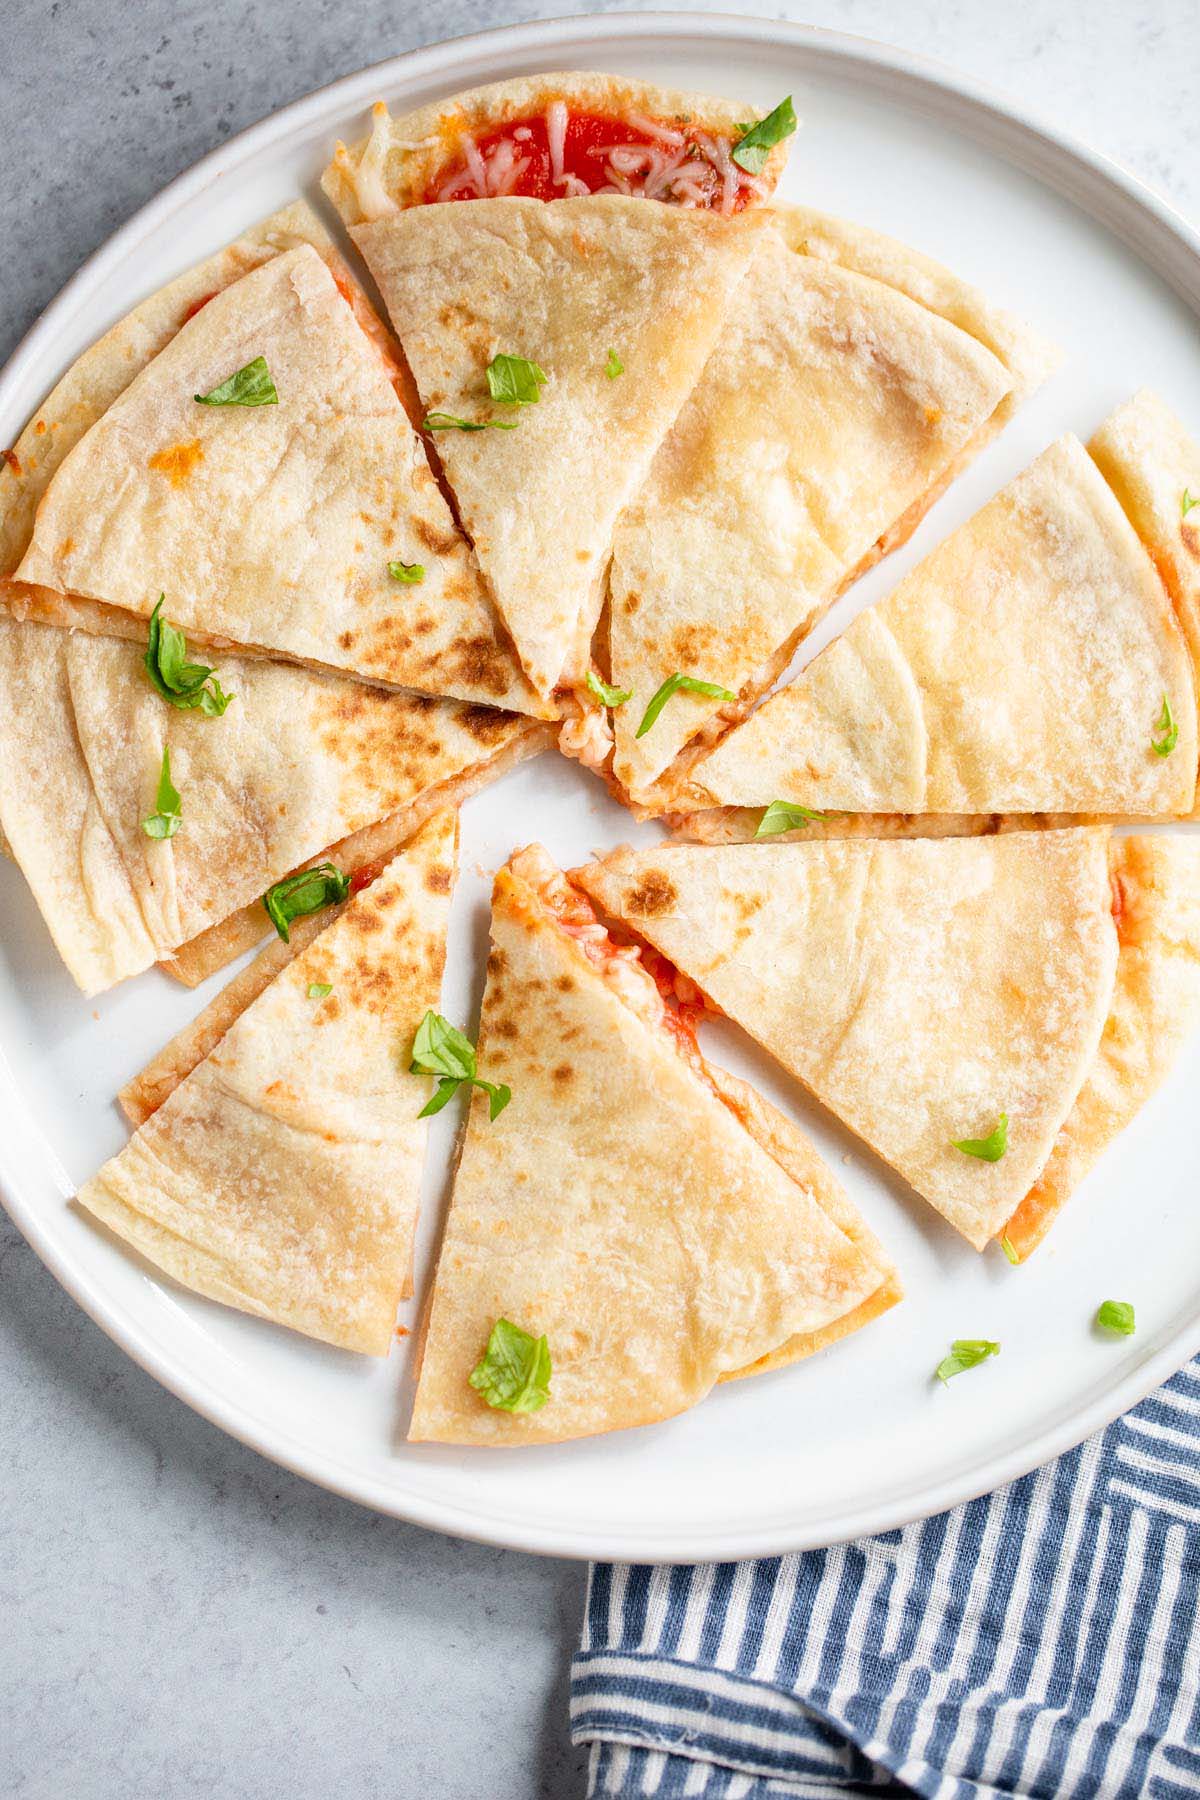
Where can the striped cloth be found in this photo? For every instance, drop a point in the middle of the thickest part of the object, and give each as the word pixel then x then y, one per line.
pixel 1042 1641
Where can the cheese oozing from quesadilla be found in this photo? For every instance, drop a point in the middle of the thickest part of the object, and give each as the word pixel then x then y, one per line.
pixel 539 483
pixel 832 413
pixel 661 1229
pixel 280 1174
pixel 304 523
pixel 1023 667
pixel 297 762
pixel 557 137
pixel 923 990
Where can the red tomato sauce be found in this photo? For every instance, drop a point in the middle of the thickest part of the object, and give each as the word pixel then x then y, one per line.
pixel 588 137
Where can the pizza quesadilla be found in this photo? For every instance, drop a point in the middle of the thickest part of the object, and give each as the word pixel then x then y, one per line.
pixel 831 415
pixel 139 825
pixel 553 345
pixel 1032 663
pixel 629 1213
pixel 560 136
pixel 280 1174
pixel 262 474
pixel 945 998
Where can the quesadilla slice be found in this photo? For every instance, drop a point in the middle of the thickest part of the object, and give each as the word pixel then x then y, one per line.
pixel 1152 464
pixel 553 345
pixel 945 998
pixel 1155 1008
pixel 262 474
pixel 107 367
pixel 560 136
pixel 296 762
pixel 1032 663
pixel 630 1210
pixel 831 415
pixel 280 1174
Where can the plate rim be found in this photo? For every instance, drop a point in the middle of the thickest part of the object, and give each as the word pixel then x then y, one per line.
pixel 1147 224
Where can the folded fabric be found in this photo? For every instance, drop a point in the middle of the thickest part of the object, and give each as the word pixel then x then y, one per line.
pixel 1041 1641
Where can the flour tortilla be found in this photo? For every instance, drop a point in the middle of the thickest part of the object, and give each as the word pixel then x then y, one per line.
pixel 107 367
pixel 297 762
pixel 1155 1008
pixel 273 526
pixel 1152 462
pixel 1020 668
pixel 433 848
pixel 829 417
pixel 618 1206
pixel 281 1174
pixel 919 988
pixel 560 283
pixel 395 166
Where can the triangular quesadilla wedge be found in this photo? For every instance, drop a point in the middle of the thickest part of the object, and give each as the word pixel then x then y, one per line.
pixel 297 762
pixel 104 370
pixel 1152 464
pixel 280 1175
pixel 922 990
pixel 564 287
pixel 1024 666
pixel 307 524
pixel 1155 1008
pixel 831 415
pixel 431 850
pixel 636 1209
pixel 555 136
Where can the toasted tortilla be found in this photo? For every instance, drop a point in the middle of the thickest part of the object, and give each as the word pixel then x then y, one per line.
pixel 404 161
pixel 296 763
pixel 1152 464
pixel 274 526
pixel 107 367
pixel 1020 668
pixel 1155 1007
pixel 831 415
pixel 281 1174
pixel 618 1205
pixel 919 988
pixel 559 283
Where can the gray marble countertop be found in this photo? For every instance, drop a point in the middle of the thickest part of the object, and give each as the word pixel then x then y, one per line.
pixel 180 1617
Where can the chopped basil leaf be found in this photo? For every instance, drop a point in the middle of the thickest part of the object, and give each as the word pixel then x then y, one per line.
pixel 440 421
pixel 320 990
pixel 1116 1315
pixel 1165 723
pixel 515 381
pixel 614 366
pixel 251 386
pixel 757 141
pixel 965 1353
pixel 165 822
pixel 988 1149
pixel 298 895
pixel 781 815
pixel 181 683
pixel 441 1049
pixel 1186 504
pixel 607 696
pixel 407 574
pixel 1006 1245
pixel 514 1371
pixel 675 684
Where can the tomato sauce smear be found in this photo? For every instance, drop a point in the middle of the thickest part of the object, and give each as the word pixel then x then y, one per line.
pixel 661 159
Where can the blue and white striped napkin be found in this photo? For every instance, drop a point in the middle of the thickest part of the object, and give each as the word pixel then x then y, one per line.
pixel 1043 1641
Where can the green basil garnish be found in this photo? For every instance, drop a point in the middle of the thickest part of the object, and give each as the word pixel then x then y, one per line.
pixel 251 386
pixel 515 381
pixel 441 1049
pixel 675 684
pixel 298 895
pixel 168 817
pixel 990 1148
pixel 781 815
pixel 407 574
pixel 757 141
pixel 180 683
pixel 514 1371
pixel 607 696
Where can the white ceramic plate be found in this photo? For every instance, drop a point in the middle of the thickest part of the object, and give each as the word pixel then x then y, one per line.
pixel 860 1439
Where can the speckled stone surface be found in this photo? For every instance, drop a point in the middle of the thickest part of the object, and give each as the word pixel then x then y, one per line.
pixel 179 1617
